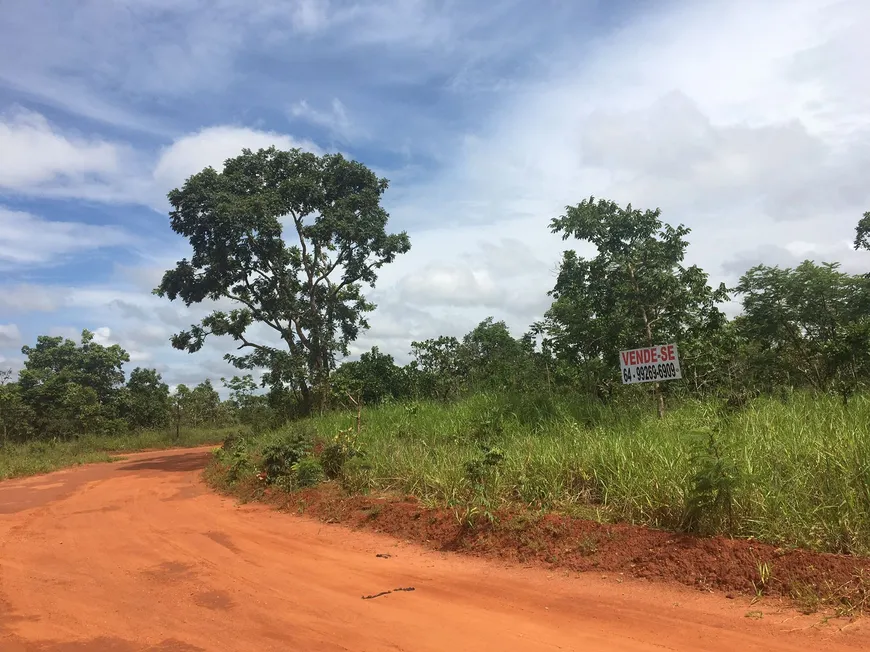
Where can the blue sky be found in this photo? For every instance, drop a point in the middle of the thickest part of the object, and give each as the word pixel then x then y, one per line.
pixel 747 121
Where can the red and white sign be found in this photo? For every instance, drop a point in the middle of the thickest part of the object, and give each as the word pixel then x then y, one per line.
pixel 650 364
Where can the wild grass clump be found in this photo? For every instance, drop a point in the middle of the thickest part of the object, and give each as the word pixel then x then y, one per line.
pixel 792 471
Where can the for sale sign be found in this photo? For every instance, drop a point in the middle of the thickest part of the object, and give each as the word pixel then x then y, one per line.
pixel 650 364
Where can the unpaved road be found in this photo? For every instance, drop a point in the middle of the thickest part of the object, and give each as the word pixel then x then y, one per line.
pixel 139 555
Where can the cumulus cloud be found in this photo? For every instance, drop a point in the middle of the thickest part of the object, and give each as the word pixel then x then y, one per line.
pixel 211 147
pixel 26 239
pixel 40 160
pixel 9 335
pixel 732 142
pixel 335 120
pixel 35 154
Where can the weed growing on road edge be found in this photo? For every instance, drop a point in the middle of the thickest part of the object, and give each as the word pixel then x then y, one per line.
pixel 788 472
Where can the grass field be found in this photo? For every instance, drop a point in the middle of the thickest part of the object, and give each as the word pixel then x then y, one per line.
pixel 794 471
pixel 44 456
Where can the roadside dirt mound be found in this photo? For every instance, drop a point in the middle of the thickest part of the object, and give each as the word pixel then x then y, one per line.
pixel 733 566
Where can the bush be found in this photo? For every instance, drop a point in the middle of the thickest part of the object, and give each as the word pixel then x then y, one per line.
pixel 357 476
pixel 307 472
pixel 284 451
pixel 335 455
pixel 479 469
pixel 710 504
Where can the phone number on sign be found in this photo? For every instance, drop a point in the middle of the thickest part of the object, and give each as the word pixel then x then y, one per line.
pixel 663 371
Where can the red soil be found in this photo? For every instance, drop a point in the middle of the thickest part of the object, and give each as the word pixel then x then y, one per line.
pixel 140 556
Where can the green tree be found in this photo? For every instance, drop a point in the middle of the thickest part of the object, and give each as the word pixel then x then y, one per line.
pixel 72 389
pixel 495 359
pixel 308 290
pixel 249 406
pixel 182 409
pixel 374 377
pixel 810 324
pixel 204 405
pixel 439 369
pixel 15 417
pixel 147 401
pixel 862 232
pixel 634 292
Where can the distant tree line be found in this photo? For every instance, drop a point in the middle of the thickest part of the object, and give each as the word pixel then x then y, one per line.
pixel 67 389
pixel 801 328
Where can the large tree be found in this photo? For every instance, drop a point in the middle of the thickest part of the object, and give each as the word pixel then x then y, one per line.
pixel 810 326
pixel 634 292
pixel 308 288
pixel 70 388
pixel 147 401
pixel 374 378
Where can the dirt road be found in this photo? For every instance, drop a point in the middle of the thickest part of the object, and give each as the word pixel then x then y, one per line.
pixel 139 555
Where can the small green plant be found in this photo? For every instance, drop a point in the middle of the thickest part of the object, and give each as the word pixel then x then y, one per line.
pixel 487 428
pixel 284 451
pixel 338 452
pixel 357 476
pixel 479 469
pixel 710 504
pixel 307 472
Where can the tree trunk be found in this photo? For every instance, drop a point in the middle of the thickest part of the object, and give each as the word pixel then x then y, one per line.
pixel 657 390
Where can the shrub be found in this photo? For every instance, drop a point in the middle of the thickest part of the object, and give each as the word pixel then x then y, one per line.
pixel 479 469
pixel 710 504
pixel 307 472
pixel 335 455
pixel 285 450
pixel 357 476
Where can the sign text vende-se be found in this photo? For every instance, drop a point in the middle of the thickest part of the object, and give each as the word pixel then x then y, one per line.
pixel 650 364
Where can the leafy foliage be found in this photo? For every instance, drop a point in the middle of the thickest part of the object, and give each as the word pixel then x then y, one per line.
pixel 307 472
pixel 283 451
pixel 809 326
pixel 147 402
pixel 634 292
pixel 710 501
pixel 72 389
pixel 307 290
pixel 375 377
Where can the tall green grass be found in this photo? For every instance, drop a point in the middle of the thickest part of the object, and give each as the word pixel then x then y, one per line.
pixel 790 472
pixel 20 459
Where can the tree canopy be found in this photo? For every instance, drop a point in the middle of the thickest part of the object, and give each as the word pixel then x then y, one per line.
pixel 635 292
pixel 307 288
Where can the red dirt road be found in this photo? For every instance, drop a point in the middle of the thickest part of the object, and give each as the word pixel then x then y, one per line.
pixel 140 555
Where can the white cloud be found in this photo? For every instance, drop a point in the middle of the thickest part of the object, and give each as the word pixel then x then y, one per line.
pixel 9 335
pixel 736 117
pixel 310 15
pixel 34 153
pixel 747 121
pixel 211 147
pixel 28 297
pixel 335 119
pixel 39 160
pixel 105 336
pixel 29 240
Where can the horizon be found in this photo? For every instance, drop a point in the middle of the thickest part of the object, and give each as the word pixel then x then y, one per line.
pixel 746 123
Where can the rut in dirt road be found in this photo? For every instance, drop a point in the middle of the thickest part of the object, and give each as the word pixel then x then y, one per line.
pixel 140 555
